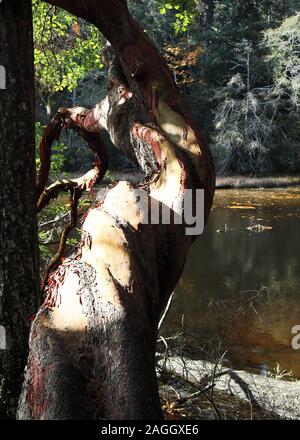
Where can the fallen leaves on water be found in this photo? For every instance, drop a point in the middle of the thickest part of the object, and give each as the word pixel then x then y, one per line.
pixel 259 228
pixel 241 207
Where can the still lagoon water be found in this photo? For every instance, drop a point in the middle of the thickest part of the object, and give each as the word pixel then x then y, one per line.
pixel 241 281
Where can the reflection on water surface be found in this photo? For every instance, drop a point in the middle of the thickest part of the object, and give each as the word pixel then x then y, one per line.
pixel 230 262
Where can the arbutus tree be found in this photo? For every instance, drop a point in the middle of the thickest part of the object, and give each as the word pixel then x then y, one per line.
pixel 93 341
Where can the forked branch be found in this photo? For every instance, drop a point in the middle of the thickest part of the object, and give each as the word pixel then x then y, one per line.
pixel 75 186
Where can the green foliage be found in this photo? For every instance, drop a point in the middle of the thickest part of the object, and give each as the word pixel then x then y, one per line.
pixel 244 129
pixel 283 44
pixel 51 222
pixel 183 13
pixel 49 234
pixel 257 125
pixel 65 48
pixel 236 62
pixel 158 26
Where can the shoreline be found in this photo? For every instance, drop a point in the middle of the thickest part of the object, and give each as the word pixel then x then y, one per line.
pixel 222 182
pixel 246 182
pixel 277 398
pixel 230 182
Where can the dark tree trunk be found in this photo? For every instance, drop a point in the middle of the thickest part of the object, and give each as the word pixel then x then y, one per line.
pixel 209 13
pixel 19 273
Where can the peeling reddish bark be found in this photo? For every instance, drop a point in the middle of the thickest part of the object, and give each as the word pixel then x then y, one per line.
pixel 143 133
pixel 51 133
pixel 94 339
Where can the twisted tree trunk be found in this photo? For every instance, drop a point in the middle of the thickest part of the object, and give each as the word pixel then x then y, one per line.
pixel 92 344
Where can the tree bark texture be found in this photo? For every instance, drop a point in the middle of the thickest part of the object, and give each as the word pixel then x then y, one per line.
pixel 92 344
pixel 19 266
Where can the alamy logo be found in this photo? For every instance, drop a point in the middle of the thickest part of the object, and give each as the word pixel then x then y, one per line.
pixel 2 76
pixel 2 338
pixel 296 338
pixel 189 210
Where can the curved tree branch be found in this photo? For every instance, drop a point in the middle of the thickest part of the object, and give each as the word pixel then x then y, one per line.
pixel 129 42
pixel 51 133
pixel 74 186
pixel 56 259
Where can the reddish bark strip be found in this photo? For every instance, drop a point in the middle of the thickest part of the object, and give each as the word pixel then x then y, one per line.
pixel 143 133
pixel 51 133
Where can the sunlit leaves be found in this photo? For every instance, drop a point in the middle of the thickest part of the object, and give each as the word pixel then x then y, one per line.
pixel 65 48
pixel 183 12
pixel 180 60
